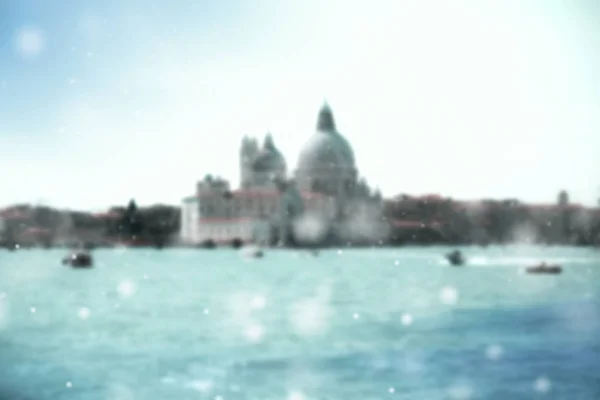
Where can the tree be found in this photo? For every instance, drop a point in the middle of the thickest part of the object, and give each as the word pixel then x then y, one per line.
pixel 565 215
pixel 131 224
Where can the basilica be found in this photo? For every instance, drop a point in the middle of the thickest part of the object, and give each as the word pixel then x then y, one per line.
pixel 323 199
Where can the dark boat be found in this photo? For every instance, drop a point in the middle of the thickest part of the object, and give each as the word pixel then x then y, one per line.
pixel 455 258
pixel 237 243
pixel 208 244
pixel 78 260
pixel 544 268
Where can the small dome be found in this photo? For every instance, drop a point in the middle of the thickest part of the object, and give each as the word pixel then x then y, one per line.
pixel 269 158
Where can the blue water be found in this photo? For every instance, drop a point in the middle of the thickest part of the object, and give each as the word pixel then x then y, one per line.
pixel 355 324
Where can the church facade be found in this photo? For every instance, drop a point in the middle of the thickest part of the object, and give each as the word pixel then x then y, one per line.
pixel 323 196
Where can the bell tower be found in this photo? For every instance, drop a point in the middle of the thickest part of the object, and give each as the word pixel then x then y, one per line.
pixel 248 152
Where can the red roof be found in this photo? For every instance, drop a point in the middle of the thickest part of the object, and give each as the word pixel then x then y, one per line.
pixel 109 214
pixel 256 193
pixel 227 220
pixel 10 213
pixel 35 230
pixel 552 207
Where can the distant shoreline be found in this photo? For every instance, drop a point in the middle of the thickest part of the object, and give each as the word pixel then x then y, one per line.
pixel 91 247
pixel 408 221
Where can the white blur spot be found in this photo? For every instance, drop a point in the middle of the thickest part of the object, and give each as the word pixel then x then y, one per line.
pixel 340 252
pixel 145 276
pixel 89 54
pixel 17 246
pixel 30 41
pixel 33 310
pixel 217 397
pixel 391 390
pixel 126 288
pixel 117 305
pixel 542 384
pixel 84 313
pixel 69 385
pixel 494 352
pixel 449 295
pixel 296 395
pixel 310 228
pixel 460 391
pixel 254 333
pixel 310 316
pixel 201 386
pixel 258 302
pixel 356 315
pixel 396 262
pixel 407 319
pixel 126 92
pixel 2 295
pixel 206 311
pixel 72 81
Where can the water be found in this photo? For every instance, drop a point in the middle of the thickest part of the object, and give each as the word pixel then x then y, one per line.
pixel 355 324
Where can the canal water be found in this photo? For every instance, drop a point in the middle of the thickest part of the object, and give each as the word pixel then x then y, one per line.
pixel 345 324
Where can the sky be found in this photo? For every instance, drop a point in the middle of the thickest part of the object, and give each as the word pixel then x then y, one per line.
pixel 105 101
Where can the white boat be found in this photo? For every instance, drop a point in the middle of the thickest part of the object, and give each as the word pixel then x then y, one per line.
pixel 253 252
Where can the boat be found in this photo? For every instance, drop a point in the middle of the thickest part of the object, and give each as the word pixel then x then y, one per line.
pixel 253 252
pixel 455 258
pixel 544 268
pixel 78 259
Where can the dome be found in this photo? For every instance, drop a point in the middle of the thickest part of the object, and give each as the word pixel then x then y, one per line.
pixel 269 158
pixel 326 147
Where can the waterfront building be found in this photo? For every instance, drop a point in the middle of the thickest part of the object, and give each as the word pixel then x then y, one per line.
pixel 324 196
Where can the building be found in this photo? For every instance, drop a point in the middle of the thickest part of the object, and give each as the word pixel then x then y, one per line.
pixel 255 214
pixel 325 195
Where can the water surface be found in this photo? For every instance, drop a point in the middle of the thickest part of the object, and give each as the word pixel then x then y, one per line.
pixel 351 324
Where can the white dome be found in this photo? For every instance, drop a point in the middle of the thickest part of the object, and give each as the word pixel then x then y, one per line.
pixel 326 148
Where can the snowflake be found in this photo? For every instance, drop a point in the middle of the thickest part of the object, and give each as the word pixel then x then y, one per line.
pixel 449 295
pixel 126 288
pixel 254 332
pixel 258 302
pixel 84 313
pixel 494 352
pixel 542 384
pixel 407 319
pixel 30 41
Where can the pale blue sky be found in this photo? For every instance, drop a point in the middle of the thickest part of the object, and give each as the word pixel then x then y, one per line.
pixel 464 98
